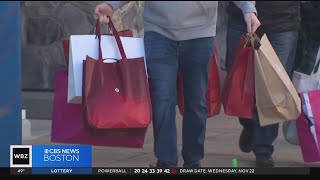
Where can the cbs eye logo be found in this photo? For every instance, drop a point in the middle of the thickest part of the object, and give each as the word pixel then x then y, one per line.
pixel 20 156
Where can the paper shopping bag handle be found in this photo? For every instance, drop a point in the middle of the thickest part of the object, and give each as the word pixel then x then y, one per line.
pixel 115 34
pixel 255 41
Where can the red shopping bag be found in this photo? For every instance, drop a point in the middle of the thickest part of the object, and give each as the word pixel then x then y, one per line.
pixel 116 95
pixel 238 96
pixel 213 92
pixel 65 45
pixel 68 125
pixel 308 126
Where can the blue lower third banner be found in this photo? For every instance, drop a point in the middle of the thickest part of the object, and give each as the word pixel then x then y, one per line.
pixel 61 159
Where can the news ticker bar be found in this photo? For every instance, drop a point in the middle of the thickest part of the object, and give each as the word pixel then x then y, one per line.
pixel 164 171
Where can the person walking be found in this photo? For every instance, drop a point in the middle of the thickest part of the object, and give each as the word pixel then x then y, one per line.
pixel 179 34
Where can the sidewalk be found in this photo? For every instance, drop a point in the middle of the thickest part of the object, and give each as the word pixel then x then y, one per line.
pixel 221 147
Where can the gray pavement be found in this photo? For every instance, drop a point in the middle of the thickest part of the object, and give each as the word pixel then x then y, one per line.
pixel 222 137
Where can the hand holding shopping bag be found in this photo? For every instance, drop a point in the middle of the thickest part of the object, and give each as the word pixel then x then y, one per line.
pixel 68 124
pixel 82 46
pixel 115 95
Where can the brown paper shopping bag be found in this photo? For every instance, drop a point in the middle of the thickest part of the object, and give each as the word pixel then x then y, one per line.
pixel 276 98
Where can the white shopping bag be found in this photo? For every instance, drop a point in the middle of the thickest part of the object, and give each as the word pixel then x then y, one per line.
pixel 83 45
pixel 302 83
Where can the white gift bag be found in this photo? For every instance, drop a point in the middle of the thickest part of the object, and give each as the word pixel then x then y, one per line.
pixel 83 45
pixel 302 83
pixel 305 82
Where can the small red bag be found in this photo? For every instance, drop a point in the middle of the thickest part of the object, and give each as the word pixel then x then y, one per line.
pixel 213 97
pixel 238 96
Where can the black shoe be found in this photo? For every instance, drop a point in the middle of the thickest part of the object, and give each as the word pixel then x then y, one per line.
pixel 195 165
pixel 263 161
pixel 160 164
pixel 245 140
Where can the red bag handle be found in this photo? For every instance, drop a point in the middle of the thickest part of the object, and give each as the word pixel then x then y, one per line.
pixel 116 35
pixel 98 34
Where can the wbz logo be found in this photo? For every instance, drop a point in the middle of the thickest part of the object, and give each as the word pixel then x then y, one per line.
pixel 20 155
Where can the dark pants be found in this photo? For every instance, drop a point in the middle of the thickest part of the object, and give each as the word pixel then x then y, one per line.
pixel 163 57
pixel 284 45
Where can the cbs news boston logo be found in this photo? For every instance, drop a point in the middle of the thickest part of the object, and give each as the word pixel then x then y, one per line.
pixel 20 155
pixel 50 156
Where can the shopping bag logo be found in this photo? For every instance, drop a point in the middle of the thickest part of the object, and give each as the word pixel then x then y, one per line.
pixel 20 156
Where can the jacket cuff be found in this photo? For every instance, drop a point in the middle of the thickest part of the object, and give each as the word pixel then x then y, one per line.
pixel 115 4
pixel 248 7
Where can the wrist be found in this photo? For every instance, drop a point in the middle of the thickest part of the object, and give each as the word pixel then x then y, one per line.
pixel 250 13
pixel 109 5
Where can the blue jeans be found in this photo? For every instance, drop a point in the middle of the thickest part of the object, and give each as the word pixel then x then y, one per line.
pixel 163 57
pixel 284 44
